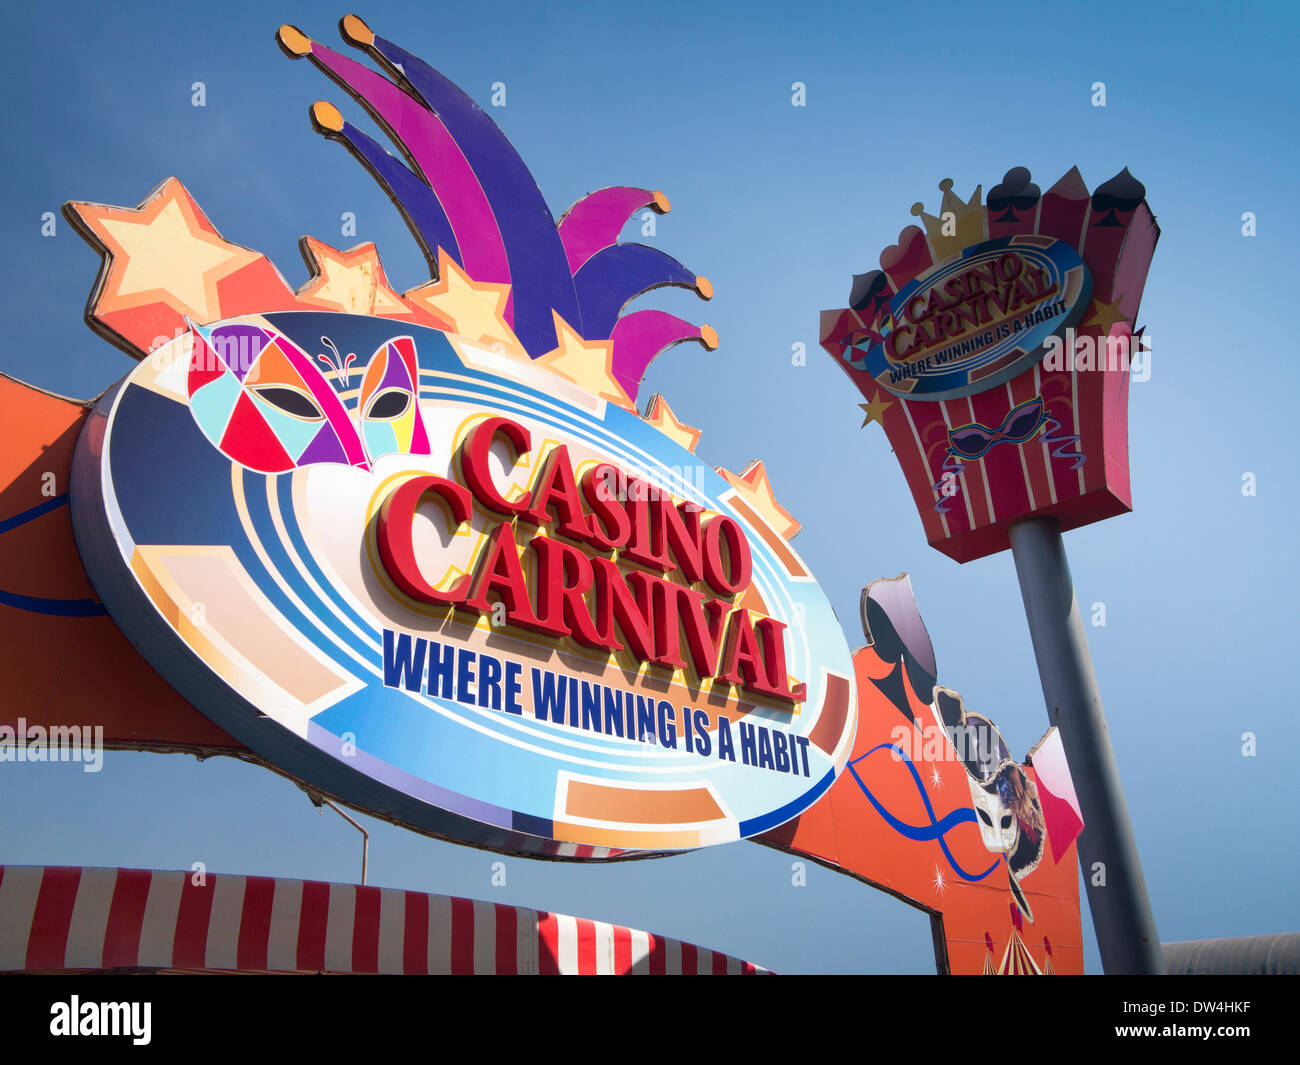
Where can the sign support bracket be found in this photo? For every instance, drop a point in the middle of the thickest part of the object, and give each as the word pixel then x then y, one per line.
pixel 319 801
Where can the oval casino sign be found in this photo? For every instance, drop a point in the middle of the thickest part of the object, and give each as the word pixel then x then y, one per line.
pixel 449 587
pixel 977 319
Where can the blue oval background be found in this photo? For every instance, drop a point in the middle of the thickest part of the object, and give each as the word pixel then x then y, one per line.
pixel 953 378
pixel 145 475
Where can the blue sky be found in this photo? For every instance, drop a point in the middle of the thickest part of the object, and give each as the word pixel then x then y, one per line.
pixel 779 206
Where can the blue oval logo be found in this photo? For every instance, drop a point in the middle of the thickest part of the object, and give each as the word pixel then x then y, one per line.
pixel 977 319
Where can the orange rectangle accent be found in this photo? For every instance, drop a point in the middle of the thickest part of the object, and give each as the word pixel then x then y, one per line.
pixel 640 806
pixel 834 711
pixel 622 838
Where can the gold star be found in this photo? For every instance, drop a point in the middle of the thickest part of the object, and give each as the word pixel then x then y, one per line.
pixel 1105 315
pixel 754 486
pixel 589 364
pixel 165 251
pixel 473 309
pixel 875 410
pixel 661 416
pixel 351 281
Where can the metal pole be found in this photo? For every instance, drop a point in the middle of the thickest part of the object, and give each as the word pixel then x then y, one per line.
pixel 1112 871
pixel 365 837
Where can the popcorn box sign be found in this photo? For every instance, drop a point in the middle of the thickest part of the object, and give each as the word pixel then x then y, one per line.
pixel 996 345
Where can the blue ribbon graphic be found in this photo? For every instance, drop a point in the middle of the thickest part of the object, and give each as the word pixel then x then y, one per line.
pixel 937 829
pixel 65 608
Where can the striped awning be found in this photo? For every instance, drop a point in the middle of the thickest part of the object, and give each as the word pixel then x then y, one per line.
pixel 60 919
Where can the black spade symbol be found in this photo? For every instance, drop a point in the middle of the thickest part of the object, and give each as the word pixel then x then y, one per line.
pixel 868 289
pixel 1122 193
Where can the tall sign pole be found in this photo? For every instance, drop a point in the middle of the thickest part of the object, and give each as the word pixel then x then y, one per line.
pixel 1112 871
pixel 995 346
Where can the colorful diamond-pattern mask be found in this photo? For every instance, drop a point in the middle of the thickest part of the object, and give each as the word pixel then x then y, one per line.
pixel 388 409
pixel 263 402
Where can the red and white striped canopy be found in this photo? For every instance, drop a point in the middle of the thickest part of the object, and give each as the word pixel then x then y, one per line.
pixel 72 918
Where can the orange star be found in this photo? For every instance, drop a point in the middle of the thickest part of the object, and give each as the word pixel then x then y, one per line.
pixel 754 486
pixel 1105 315
pixel 165 251
pixel 875 409
pixel 351 281
pixel 473 309
pixel 589 364
pixel 661 416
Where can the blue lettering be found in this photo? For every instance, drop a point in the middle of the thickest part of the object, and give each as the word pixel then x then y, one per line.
pixel 465 677
pixel 702 742
pixel 748 751
pixel 403 663
pixel 613 713
pixel 489 681
pixel 591 707
pixel 441 660
pixel 782 752
pixel 667 722
pixel 513 688
pixel 645 717
pixel 726 749
pixel 803 749
pixel 548 697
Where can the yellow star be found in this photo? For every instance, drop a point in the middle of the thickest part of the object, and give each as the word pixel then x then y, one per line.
pixel 661 416
pixel 1105 315
pixel 875 410
pixel 351 281
pixel 589 364
pixel 473 309
pixel 164 251
pixel 754 486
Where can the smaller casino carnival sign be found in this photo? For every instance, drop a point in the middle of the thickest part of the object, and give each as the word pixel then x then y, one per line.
pixel 995 346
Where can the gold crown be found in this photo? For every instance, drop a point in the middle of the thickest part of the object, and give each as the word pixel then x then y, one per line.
pixel 959 224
